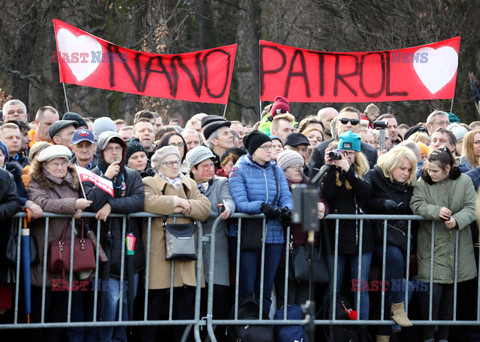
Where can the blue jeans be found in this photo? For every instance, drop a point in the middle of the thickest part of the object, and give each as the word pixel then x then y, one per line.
pixel 249 282
pixel 342 259
pixel 394 266
pixel 111 310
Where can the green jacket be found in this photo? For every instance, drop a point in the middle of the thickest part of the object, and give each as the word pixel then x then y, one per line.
pixel 457 194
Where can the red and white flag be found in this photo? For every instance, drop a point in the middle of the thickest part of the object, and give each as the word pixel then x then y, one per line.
pixel 88 176
pixel 87 60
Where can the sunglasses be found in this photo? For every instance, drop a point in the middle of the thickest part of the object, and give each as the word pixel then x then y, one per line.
pixel 354 122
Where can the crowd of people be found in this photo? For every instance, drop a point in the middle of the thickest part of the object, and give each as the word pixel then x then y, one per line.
pixel 214 168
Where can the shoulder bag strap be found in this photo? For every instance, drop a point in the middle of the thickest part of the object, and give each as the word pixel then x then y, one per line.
pixel 276 184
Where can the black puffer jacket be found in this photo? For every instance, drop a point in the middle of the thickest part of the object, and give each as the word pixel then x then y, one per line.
pixel 344 201
pixel 383 192
pixel 9 205
pixel 129 198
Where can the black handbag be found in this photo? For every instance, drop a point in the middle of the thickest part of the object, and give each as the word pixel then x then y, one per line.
pixel 180 240
pixel 252 228
pixel 396 236
pixel 252 233
pixel 12 245
pixel 300 265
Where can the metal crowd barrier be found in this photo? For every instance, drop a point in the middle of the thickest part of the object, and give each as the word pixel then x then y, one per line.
pixel 209 321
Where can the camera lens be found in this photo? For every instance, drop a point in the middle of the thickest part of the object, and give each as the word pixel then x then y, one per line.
pixel 335 155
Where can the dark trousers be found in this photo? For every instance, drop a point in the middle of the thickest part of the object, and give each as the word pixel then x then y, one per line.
pixel 442 309
pixel 56 303
pixel 222 306
pixel 82 311
pixel 183 308
pixel 249 282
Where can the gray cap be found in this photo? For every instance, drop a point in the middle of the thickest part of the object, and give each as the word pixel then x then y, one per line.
pixel 198 154
pixel 53 152
pixel 57 126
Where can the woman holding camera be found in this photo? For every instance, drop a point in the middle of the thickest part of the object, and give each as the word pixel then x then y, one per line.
pixel 343 183
pixel 392 187
pixel 446 197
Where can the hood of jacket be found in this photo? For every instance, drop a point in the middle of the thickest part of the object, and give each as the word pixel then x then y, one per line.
pixel 103 140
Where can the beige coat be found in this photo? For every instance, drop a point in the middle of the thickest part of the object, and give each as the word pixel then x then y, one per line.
pixel 159 200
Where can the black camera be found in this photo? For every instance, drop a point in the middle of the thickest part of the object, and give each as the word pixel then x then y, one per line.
pixel 380 124
pixel 335 154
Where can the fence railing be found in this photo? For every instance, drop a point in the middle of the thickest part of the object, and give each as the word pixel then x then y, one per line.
pixel 209 321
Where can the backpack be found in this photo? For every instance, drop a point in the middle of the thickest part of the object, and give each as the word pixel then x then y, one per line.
pixel 248 310
pixel 290 333
pixel 339 333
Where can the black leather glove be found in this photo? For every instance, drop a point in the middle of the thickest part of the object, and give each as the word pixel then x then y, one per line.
pixel 286 217
pixel 270 211
pixel 390 206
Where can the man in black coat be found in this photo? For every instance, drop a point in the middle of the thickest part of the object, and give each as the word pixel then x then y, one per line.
pixel 129 197
pixel 347 120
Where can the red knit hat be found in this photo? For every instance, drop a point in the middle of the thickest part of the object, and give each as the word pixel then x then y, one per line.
pixel 280 106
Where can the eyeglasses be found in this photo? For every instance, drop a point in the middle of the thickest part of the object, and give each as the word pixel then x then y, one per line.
pixel 297 167
pixel 345 121
pixel 266 148
pixel 58 165
pixel 177 145
pixel 446 123
pixel 172 163
pixel 114 149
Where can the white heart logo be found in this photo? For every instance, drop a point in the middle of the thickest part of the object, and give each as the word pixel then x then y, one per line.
pixel 439 68
pixel 73 46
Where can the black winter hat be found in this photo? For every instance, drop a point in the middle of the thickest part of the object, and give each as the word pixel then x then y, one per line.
pixel 413 130
pixel 133 145
pixel 213 126
pixel 57 126
pixel 296 139
pixel 235 150
pixel 211 118
pixel 75 117
pixel 254 140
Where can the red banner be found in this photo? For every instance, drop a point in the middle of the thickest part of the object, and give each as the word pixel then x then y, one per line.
pixel 417 73
pixel 86 60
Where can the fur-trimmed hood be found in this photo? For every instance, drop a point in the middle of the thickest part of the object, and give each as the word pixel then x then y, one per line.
pixel 454 174
pixel 41 176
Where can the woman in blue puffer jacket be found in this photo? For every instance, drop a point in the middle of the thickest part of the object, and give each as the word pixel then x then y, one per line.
pixel 255 191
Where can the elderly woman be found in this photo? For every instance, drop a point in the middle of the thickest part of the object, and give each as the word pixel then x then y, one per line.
pixel 54 186
pixel 202 170
pixel 167 193
pixel 258 186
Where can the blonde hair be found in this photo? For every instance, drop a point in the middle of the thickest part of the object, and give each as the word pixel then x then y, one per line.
pixel 277 118
pixel 394 158
pixel 361 166
pixel 467 148
pixel 420 136
pixel 313 128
